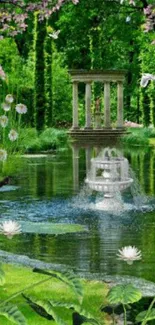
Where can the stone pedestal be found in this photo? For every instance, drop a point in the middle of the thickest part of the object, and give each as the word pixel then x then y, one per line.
pixel 88 106
pixel 97 120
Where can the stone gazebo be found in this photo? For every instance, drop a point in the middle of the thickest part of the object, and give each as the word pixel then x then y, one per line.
pixel 94 129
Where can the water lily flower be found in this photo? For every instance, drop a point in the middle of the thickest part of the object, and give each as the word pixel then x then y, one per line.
pixel 129 254
pixel 146 77
pixel 3 121
pixel 10 228
pixel 3 155
pixel 21 108
pixel 13 135
pixel 6 107
pixel 9 98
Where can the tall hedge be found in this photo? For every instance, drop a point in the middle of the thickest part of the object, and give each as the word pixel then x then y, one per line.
pixel 48 80
pixel 39 68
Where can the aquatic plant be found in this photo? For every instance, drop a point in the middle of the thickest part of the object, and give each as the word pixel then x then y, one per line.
pixel 10 228
pixel 129 254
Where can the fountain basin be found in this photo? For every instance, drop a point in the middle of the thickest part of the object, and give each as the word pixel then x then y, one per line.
pixel 106 186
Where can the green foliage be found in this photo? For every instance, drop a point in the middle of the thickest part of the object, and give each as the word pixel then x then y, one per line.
pixel 31 141
pixel 39 68
pixel 68 278
pixel 62 91
pixel 52 138
pixel 12 313
pixel 139 136
pixel 145 315
pixel 124 294
pixel 2 276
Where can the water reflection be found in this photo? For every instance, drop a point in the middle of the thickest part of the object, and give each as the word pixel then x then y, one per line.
pixel 51 188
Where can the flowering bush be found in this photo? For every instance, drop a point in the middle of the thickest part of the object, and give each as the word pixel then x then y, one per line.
pixel 10 123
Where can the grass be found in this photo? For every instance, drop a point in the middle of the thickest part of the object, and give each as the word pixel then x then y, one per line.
pixel 139 136
pixel 17 278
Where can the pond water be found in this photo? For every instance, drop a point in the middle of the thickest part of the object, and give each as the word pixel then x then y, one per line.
pixel 51 188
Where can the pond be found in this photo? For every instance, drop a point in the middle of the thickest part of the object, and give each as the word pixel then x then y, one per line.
pixel 52 189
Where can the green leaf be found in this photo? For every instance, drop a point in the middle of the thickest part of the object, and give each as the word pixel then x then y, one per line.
pixel 80 310
pixel 46 305
pixel 124 294
pixel 12 313
pixel 2 276
pixel 68 278
pixel 141 316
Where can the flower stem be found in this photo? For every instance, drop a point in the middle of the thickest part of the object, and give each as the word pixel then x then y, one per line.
pixel 125 320
pixel 14 295
pixel 144 322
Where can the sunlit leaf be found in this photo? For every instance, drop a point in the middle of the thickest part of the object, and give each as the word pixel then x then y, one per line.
pixel 12 313
pixel 124 294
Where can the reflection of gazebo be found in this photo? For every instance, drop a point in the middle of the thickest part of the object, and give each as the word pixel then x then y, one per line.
pixel 105 77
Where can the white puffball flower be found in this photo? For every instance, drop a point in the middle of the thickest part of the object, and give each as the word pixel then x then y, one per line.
pixel 3 121
pixel 3 155
pixel 128 19
pixel 21 108
pixel 146 77
pixel 13 135
pixel 129 254
pixel 6 107
pixel 10 228
pixel 9 98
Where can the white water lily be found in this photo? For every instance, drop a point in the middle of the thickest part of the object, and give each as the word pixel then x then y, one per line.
pixel 9 98
pixel 10 228
pixel 3 121
pixel 146 77
pixel 21 108
pixel 129 254
pixel 13 135
pixel 3 155
pixel 6 107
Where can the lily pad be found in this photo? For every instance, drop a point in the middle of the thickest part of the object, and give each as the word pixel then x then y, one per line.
pixel 8 188
pixel 50 228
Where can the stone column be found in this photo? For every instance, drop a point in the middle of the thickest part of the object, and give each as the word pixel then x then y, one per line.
pixel 75 168
pixel 75 106
pixel 120 104
pixel 107 123
pixel 88 106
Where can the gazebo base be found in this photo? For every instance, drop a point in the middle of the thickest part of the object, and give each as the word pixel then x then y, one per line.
pixel 95 134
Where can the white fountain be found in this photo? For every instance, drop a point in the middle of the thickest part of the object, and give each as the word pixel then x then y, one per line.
pixel 109 174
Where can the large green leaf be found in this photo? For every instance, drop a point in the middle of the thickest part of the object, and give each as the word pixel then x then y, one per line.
pixel 12 313
pixel 150 315
pixel 2 276
pixel 46 306
pixel 38 309
pixel 124 294
pixel 66 277
pixel 87 317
